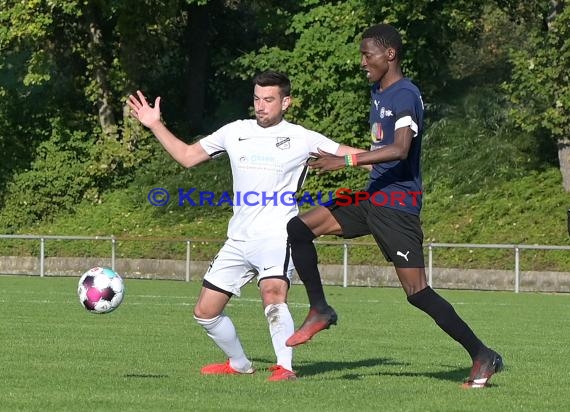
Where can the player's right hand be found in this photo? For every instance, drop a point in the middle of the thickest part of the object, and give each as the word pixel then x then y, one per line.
pixel 325 162
pixel 142 111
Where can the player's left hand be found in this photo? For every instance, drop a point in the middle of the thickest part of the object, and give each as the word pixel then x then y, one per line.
pixel 325 161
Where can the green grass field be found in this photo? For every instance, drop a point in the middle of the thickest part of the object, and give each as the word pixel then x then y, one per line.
pixel 384 355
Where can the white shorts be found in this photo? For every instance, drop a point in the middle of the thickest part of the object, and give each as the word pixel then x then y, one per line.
pixel 238 262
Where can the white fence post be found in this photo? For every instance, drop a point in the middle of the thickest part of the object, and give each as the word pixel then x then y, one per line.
pixel 430 265
pixel 113 251
pixel 42 256
pixel 345 265
pixel 187 261
pixel 517 269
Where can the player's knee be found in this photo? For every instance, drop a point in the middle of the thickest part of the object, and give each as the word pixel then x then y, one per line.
pixel 298 231
pixel 207 323
pixel 273 293
pixel 198 312
pixel 202 312
pixel 422 299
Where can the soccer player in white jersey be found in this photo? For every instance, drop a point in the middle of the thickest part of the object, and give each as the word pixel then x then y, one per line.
pixel 268 158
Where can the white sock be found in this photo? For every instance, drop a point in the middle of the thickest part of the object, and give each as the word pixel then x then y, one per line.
pixel 223 332
pixel 281 327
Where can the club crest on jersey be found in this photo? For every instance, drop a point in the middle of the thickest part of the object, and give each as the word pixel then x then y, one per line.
pixel 283 143
pixel 376 132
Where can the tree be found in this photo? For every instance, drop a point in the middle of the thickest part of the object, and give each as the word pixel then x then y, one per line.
pixel 63 87
pixel 540 84
pixel 331 94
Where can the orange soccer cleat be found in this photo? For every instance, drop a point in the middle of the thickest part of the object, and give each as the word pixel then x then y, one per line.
pixel 314 323
pixel 224 369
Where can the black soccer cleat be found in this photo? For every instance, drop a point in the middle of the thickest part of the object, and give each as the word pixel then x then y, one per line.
pixel 485 365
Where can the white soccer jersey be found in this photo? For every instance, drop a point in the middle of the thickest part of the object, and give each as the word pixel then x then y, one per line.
pixel 268 166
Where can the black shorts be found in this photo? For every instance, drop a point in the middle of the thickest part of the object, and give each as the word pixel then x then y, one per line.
pixel 398 234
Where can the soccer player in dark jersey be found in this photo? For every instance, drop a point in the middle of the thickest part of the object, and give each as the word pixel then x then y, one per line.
pixel 388 209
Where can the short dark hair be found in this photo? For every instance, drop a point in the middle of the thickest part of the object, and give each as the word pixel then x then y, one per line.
pixel 272 78
pixel 385 36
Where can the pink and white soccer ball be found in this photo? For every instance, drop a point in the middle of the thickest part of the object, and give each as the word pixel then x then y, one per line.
pixel 101 290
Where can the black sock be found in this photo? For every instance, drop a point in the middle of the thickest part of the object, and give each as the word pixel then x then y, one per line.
pixel 305 259
pixel 447 319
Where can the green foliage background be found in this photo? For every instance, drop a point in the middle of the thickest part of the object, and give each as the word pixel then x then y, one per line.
pixel 493 73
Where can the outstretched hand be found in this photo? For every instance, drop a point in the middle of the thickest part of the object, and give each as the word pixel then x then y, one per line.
pixel 325 161
pixel 142 111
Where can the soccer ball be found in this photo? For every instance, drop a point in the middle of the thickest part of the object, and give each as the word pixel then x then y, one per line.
pixel 100 290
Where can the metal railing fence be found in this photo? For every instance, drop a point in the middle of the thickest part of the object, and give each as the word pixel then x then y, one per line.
pixel 516 248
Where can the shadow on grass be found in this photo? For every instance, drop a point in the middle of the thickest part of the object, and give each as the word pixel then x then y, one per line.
pixel 453 375
pixel 145 375
pixel 305 369
pixel 317 368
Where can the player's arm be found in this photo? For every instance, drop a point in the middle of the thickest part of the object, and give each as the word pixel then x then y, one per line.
pixel 396 151
pixel 344 150
pixel 187 155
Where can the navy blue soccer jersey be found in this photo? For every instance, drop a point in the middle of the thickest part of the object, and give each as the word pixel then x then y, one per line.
pixel 397 184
